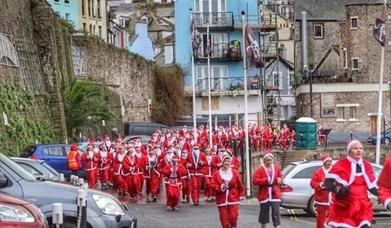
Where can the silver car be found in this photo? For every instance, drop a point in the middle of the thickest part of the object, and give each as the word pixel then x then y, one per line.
pixel 297 192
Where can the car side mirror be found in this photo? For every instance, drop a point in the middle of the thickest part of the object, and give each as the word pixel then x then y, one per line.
pixel 3 180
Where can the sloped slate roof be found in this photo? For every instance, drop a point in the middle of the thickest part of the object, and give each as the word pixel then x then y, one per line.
pixel 321 9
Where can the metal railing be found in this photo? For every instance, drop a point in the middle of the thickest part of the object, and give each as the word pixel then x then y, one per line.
pixel 223 51
pixel 227 84
pixel 213 19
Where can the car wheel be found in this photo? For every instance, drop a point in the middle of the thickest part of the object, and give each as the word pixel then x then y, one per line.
pixel 387 141
pixel 68 225
pixel 311 209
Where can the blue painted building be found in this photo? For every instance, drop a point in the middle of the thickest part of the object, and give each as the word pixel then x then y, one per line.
pixel 67 9
pixel 227 76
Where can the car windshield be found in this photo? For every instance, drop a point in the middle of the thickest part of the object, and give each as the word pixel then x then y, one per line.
pixel 50 169
pixel 16 168
pixel 287 169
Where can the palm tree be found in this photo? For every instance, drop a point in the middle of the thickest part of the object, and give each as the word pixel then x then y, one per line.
pixel 84 104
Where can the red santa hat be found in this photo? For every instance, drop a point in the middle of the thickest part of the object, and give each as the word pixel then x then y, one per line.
pixel 326 158
pixel 268 155
pixel 351 144
pixel 106 137
pixel 74 147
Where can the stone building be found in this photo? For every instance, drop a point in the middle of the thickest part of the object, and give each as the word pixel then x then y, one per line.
pixel 344 61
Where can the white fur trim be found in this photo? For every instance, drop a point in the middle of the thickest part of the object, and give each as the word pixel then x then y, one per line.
pixel 322 203
pixel 337 179
pixel 337 224
pixel 386 203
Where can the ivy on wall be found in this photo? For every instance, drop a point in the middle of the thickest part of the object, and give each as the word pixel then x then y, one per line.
pixel 28 122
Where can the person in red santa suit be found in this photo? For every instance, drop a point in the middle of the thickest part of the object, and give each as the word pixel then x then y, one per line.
pixel 217 161
pixel 90 159
pixel 350 179
pixel 195 161
pixel 173 171
pixel 285 136
pixel 142 161
pixel 152 176
pixel 227 184
pixel 121 167
pixel 104 163
pixel 185 179
pixel 133 180
pixel 322 196
pixel 268 178
pixel 384 184
pixel 293 139
pixel 207 175
pixel 235 161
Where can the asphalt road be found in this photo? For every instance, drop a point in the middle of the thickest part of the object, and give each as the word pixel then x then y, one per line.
pixel 206 215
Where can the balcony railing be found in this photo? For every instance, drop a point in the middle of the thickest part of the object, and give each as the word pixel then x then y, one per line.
pixel 219 52
pixel 230 84
pixel 215 20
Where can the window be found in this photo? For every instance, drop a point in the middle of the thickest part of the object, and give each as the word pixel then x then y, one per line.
pixel 56 0
pixel 100 31
pixel 318 31
pixel 219 78
pixel 340 113
pixel 214 101
pixel 353 22
pixel 291 79
pixel 277 80
pixel 67 16
pixel 53 151
pixel 345 58
pixel 352 113
pixel 89 7
pixel 30 169
pixel 347 112
pixel 90 29
pixel 306 173
pixel 99 13
pixel 355 63
pixel 93 8
pixel 84 27
pixel 82 8
pixel 66 1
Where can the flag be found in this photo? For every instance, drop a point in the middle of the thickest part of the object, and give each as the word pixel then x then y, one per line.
pixel 379 30
pixel 252 49
pixel 196 37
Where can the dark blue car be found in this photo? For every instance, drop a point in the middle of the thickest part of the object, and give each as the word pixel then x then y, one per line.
pixel 54 155
pixel 385 138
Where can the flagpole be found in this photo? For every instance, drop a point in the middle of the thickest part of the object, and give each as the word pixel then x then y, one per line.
pixel 209 85
pixel 380 104
pixel 248 181
pixel 193 85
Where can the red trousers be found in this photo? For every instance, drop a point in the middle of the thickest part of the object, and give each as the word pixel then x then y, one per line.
pixel 152 184
pixel 321 215
pixel 185 188
pixel 195 186
pixel 121 182
pixel 173 194
pixel 92 178
pixel 133 183
pixel 208 186
pixel 140 184
pixel 104 175
pixel 229 216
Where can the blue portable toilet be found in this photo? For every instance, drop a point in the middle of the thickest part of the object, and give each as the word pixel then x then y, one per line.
pixel 306 133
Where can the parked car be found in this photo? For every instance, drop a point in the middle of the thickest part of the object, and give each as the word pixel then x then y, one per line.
pixel 385 138
pixel 144 139
pixel 297 192
pixel 18 213
pixel 143 128
pixel 103 209
pixel 38 168
pixel 54 155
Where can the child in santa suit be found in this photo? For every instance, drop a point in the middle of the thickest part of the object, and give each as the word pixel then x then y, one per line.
pixel 152 176
pixel 90 159
pixel 322 196
pixel 195 161
pixel 173 171
pixel 121 167
pixel 350 179
pixel 227 184
pixel 207 173
pixel 104 164
pixel 268 177
pixel 384 183
pixel 185 178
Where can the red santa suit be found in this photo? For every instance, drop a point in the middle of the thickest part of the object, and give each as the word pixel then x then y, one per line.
pixel 195 161
pixel 207 173
pixel 173 171
pixel 269 190
pixel 355 208
pixel 322 196
pixel 133 180
pixel 90 160
pixel 152 176
pixel 384 184
pixel 104 163
pixel 229 189
pixel 121 173
pixel 185 179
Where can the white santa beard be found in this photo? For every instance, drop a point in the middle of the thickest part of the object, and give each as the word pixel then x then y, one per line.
pixel 226 175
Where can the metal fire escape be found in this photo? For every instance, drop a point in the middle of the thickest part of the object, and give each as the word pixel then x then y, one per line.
pixel 269 43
